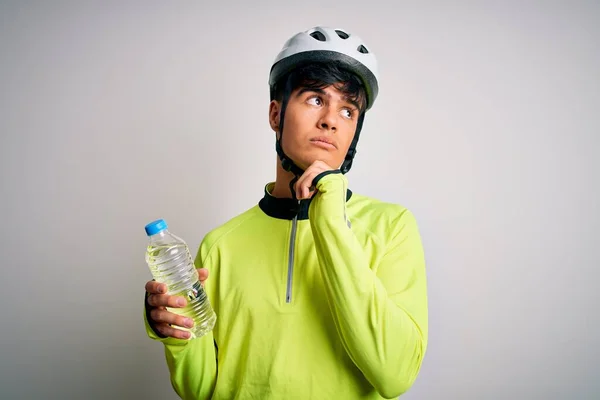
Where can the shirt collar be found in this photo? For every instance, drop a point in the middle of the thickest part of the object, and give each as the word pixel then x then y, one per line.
pixel 286 208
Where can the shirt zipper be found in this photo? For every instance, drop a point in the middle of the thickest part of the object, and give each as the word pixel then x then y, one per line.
pixel 291 252
pixel 288 296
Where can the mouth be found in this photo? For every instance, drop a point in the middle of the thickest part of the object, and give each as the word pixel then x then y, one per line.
pixel 323 142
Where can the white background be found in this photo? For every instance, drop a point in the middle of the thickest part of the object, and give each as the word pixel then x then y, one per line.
pixel 117 113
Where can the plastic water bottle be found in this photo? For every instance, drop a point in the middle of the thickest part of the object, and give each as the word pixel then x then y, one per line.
pixel 170 262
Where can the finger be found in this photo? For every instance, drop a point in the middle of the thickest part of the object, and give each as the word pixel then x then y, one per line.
pixel 318 168
pixel 154 287
pixel 301 185
pixel 323 166
pixel 304 188
pixel 163 316
pixel 165 300
pixel 202 274
pixel 297 185
pixel 307 184
pixel 310 188
pixel 302 194
pixel 167 330
pixel 298 190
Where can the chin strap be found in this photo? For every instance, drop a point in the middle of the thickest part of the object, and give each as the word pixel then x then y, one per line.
pixel 347 164
pixel 292 183
pixel 286 162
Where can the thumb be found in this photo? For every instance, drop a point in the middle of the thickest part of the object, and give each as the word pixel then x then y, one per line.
pixel 202 274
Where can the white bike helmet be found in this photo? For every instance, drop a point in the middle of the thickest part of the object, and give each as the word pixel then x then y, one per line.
pixel 323 44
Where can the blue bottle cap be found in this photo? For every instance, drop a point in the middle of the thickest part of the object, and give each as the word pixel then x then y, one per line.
pixel 155 227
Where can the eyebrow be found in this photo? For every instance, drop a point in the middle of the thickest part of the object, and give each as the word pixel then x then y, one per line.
pixel 322 92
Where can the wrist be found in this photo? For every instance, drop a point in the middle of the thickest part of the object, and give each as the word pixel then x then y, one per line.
pixel 330 199
pixel 324 174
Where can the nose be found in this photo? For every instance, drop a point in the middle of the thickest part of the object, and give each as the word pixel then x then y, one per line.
pixel 328 120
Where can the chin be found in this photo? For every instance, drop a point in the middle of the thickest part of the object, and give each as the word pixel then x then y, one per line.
pixel 306 156
pixel 306 162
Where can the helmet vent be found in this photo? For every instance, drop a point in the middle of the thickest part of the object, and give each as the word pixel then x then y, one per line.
pixel 319 36
pixel 362 49
pixel 342 34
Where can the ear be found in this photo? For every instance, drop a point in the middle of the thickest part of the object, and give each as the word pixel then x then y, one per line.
pixel 274 114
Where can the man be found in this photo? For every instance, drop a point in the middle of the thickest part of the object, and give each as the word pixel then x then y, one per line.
pixel 320 293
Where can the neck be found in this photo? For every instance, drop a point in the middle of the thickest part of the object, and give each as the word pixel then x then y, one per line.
pixel 282 183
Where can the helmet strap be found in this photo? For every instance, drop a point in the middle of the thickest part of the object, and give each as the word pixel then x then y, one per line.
pixel 347 164
pixel 286 162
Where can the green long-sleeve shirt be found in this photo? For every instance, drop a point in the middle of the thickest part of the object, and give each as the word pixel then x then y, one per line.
pixel 328 302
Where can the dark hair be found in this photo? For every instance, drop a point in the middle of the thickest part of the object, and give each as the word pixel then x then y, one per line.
pixel 320 76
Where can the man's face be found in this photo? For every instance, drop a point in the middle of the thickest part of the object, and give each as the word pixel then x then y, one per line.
pixel 319 125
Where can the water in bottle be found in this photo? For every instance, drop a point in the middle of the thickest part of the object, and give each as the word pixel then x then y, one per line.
pixel 170 262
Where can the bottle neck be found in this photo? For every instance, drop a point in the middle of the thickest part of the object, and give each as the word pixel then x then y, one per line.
pixel 159 236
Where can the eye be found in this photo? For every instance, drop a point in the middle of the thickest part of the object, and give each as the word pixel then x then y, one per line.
pixel 315 101
pixel 348 113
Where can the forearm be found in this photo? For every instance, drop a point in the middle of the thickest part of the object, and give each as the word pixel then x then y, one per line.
pixel 192 363
pixel 379 335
